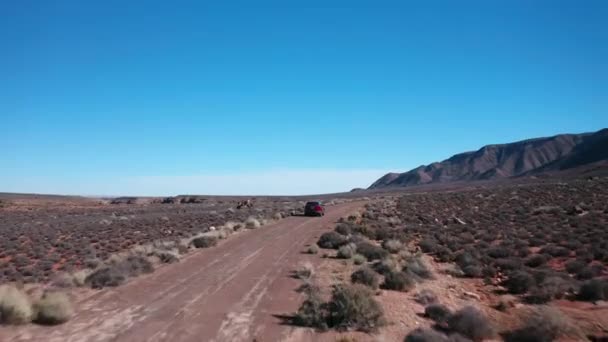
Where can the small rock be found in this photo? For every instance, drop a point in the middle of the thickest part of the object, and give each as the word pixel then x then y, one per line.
pixel 471 295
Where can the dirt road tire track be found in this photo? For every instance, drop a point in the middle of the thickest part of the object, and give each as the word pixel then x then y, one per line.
pixel 228 293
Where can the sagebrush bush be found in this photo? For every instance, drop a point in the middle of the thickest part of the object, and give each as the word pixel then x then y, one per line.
pixel 53 308
pixel 371 251
pixel 359 259
pixel 417 266
pixel 385 266
pixel 545 324
pixel 344 229
pixel 105 277
pixel 365 276
pixel 437 312
pixel 535 260
pixel 15 306
pixel 473 271
pixel 134 265
pixel 354 307
pixel 305 271
pixel 519 282
pixel 313 312
pixel 398 281
pixel 332 240
pixel 471 323
pixel 392 245
pixel 252 223
pixel 347 251
pixel 313 249
pixel 204 241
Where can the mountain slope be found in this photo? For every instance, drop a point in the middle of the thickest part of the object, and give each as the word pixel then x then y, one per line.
pixel 559 152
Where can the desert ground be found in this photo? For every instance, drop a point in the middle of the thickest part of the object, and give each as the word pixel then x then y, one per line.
pixel 507 261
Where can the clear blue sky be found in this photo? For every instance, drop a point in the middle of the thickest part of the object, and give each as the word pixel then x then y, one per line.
pixel 166 97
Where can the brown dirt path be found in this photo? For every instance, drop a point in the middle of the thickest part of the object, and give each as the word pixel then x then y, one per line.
pixel 231 292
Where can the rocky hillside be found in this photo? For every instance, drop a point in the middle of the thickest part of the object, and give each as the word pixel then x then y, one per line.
pixel 527 157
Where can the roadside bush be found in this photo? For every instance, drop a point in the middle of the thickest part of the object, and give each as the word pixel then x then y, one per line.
pixel 392 246
pixel 471 323
pixel 594 290
pixel 359 259
pixel 15 306
pixel 347 251
pixel 371 251
pixel 552 287
pixel 438 313
pixel 134 265
pixel 167 257
pixel 519 282
pixel 53 308
pixel 313 312
pixel 365 276
pixel 344 229
pixel 305 271
pixel 252 223
pixel 398 281
pixel 332 240
pixel 354 307
pixel 105 277
pixel 204 241
pixel 313 249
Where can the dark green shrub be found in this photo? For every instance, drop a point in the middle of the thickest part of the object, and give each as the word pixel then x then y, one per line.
pixel 594 290
pixel 519 282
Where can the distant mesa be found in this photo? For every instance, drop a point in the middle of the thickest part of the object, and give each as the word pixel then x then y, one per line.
pixel 533 158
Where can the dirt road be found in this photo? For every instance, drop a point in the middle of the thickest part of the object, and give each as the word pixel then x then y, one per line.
pixel 231 292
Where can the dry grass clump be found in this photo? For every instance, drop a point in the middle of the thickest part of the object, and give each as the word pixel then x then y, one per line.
pixel 347 251
pixel 252 223
pixel 359 259
pixel 15 306
pixel 365 276
pixel 313 249
pixel 392 245
pixel 398 281
pixel 471 323
pixel 546 324
pixel 354 307
pixel 53 308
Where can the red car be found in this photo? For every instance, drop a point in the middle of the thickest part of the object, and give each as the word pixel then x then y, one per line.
pixel 314 209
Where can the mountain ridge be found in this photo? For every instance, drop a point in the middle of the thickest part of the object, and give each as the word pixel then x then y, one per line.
pixel 499 161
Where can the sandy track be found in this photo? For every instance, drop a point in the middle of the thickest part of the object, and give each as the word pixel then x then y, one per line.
pixel 231 292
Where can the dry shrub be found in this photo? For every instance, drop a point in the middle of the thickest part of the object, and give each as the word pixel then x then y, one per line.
pixel 53 308
pixel 313 249
pixel 354 307
pixel 365 276
pixel 313 311
pixel 545 324
pixel 417 266
pixel 393 246
pixel 204 241
pixel 371 251
pixel 347 251
pixel 105 277
pixel 332 240
pixel 398 281
pixel 252 223
pixel 305 271
pixel 15 306
pixel 359 259
pixel 471 323
pixel 438 313
pixel 594 290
